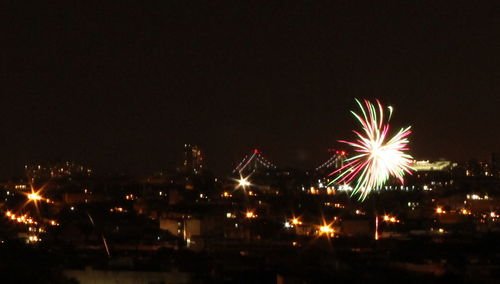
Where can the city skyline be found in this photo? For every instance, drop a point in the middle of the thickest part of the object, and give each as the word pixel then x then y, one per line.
pixel 249 142
pixel 123 91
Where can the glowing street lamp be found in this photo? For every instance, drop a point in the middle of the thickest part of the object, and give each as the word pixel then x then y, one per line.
pixel 243 182
pixel 34 196
pixel 326 230
pixel 250 215
pixel 390 219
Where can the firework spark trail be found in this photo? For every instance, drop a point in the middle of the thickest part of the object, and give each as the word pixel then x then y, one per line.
pixel 102 236
pixel 378 157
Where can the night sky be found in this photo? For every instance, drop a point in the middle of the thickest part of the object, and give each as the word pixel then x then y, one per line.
pixel 122 86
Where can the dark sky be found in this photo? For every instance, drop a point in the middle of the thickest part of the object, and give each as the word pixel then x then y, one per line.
pixel 123 85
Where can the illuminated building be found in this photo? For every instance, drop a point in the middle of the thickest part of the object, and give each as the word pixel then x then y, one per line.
pixel 425 166
pixel 193 159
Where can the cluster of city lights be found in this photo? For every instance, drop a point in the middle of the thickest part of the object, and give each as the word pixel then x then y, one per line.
pixel 250 215
pixel 33 239
pixel 22 219
pixel 247 214
pixel 118 209
pixel 326 230
pixel 464 211
pixel 26 219
pixel 390 219
pixel 477 197
pixel 329 190
pixel 130 197
pixel 323 230
pixel 293 222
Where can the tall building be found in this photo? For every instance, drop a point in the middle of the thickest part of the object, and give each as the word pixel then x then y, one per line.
pixel 193 159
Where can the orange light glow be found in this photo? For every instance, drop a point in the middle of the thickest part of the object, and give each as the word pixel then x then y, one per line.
pixel 243 182
pixel 390 219
pixel 34 196
pixel 325 229
pixel 250 214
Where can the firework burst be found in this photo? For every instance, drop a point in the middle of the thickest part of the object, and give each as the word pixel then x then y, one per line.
pixel 377 156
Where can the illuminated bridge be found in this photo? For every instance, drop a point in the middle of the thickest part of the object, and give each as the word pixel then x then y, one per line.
pixel 335 161
pixel 252 163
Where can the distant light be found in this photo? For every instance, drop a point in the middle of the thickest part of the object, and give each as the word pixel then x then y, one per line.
pixel 250 214
pixel 243 182
pixel 34 196
pixel 326 230
pixel 390 219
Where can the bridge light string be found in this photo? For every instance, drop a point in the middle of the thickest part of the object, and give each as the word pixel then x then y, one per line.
pixel 257 156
